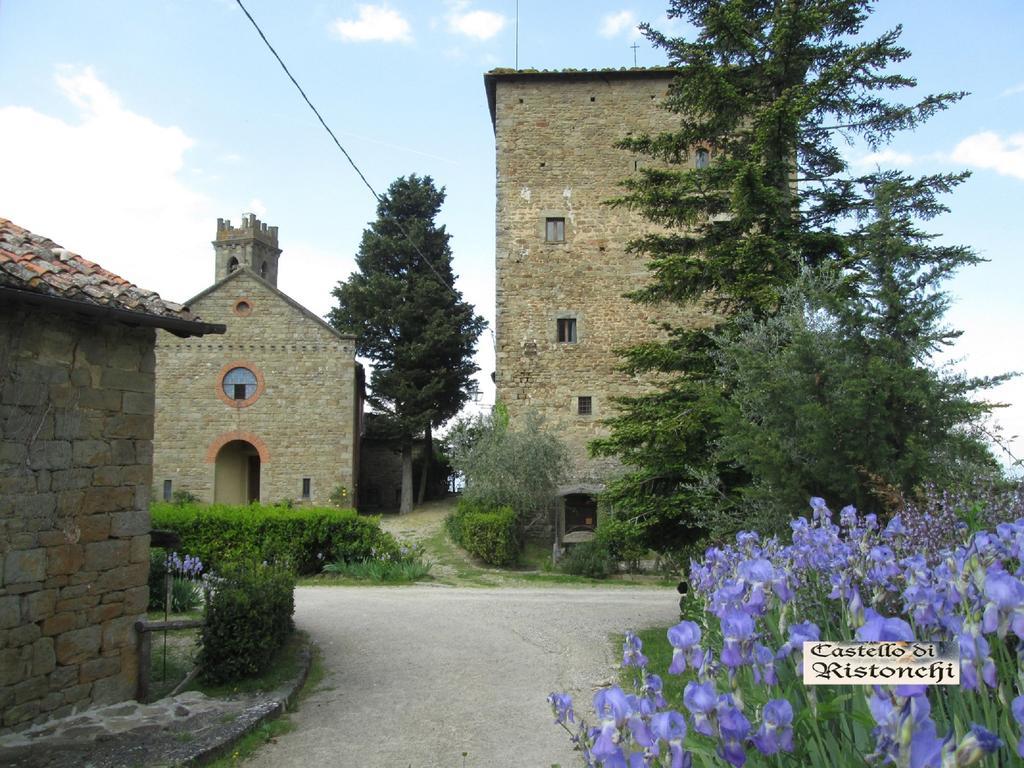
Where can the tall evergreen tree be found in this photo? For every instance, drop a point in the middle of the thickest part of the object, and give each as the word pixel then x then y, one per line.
pixel 768 88
pixel 408 318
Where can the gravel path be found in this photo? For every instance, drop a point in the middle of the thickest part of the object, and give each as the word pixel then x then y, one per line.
pixel 417 676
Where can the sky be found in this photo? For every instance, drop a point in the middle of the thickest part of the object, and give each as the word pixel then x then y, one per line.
pixel 127 127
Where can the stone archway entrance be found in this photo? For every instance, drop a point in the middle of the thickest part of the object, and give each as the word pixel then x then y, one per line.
pixel 236 478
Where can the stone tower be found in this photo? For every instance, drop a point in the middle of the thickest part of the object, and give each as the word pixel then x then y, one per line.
pixel 562 265
pixel 252 245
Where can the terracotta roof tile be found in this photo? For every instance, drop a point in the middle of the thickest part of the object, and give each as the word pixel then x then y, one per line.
pixel 31 262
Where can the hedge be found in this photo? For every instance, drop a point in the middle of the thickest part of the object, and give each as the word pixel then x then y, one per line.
pixel 248 618
pixel 492 534
pixel 303 537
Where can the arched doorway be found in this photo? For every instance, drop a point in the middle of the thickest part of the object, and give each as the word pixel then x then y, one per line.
pixel 236 478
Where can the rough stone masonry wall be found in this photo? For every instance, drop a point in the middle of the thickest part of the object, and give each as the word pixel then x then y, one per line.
pixel 76 425
pixel 304 419
pixel 555 158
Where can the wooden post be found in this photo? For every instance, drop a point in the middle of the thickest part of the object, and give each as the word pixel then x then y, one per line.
pixel 143 641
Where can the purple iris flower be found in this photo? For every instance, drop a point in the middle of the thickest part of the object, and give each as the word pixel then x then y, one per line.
pixel 978 742
pixel 1017 708
pixel 764 664
pixel 776 731
pixel 733 728
pixel 700 699
pixel 974 657
pixel 612 704
pixel 1005 603
pixel 894 528
pixel 651 689
pixel 737 630
pixel 561 705
pixel 805 631
pixel 671 727
pixel 684 638
pixel 878 628
pixel 631 652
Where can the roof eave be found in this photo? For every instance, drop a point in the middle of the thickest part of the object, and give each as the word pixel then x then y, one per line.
pixel 175 325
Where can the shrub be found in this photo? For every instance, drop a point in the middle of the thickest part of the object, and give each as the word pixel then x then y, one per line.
pixel 623 540
pixel 304 537
pixel 407 564
pixel 518 467
pixel 248 618
pixel 489 533
pixel 589 558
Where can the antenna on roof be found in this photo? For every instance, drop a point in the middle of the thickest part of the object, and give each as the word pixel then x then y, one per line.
pixel 634 46
pixel 517 35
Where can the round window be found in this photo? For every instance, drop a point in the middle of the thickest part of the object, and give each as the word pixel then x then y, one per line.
pixel 239 384
pixel 243 308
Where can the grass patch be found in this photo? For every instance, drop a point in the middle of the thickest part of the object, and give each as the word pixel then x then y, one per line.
pixel 382 571
pixel 249 743
pixel 536 556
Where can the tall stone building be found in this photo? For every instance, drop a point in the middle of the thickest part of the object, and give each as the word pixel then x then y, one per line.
pixel 562 265
pixel 270 411
pixel 76 430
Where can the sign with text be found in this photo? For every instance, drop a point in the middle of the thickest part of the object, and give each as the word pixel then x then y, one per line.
pixel 885 663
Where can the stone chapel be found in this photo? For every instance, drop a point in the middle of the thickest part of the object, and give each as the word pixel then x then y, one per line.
pixel 270 411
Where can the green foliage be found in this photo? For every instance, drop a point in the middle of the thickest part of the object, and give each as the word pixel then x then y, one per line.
pixel 408 319
pixel 624 540
pixel 588 558
pixel 519 468
pixel 339 496
pixel 772 90
pixel 304 537
pixel 183 497
pixel 186 594
pixel 490 533
pixel 248 618
pixel 397 571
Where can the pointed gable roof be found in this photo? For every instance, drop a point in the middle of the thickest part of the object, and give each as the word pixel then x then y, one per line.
pixel 242 269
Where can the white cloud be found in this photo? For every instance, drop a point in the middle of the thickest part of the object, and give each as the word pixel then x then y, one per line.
pixel 479 25
pixel 375 23
pixel 615 23
pixel 886 157
pixel 991 151
pixel 108 185
pixel 1013 90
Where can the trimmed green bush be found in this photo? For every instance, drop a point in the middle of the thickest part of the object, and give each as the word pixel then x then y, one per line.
pixel 303 537
pixel 491 534
pixel 589 558
pixel 248 618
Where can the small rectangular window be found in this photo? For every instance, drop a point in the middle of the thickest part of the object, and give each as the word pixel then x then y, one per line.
pixel 567 330
pixel 239 392
pixel 167 490
pixel 306 487
pixel 584 405
pixel 554 230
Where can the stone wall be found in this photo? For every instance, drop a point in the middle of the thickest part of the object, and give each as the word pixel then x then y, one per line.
pixel 554 136
pixel 76 427
pixel 303 420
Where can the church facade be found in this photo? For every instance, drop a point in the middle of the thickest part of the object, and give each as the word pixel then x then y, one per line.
pixel 270 411
pixel 562 264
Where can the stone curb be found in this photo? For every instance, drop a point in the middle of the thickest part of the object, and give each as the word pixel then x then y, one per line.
pixel 221 743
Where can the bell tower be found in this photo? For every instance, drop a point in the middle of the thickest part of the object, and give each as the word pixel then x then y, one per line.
pixel 252 245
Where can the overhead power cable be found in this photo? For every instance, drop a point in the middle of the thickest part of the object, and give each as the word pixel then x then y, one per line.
pixel 338 144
